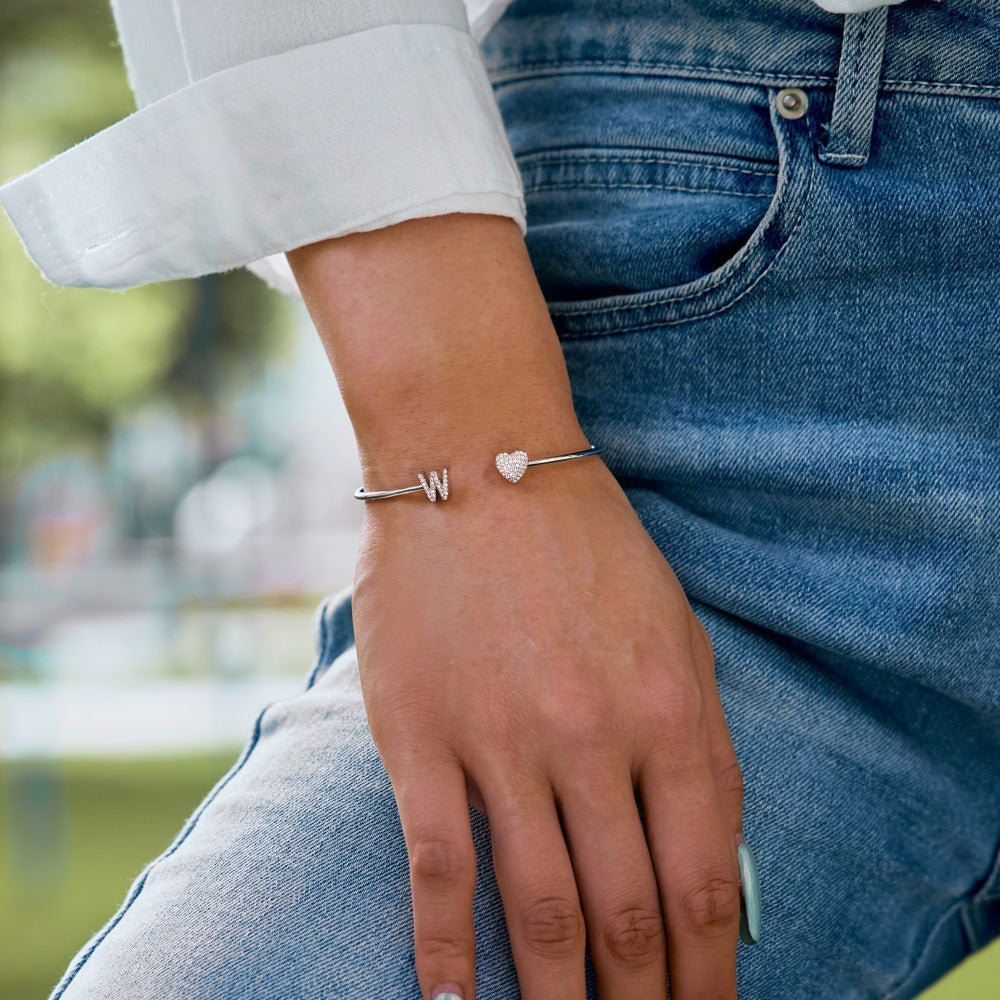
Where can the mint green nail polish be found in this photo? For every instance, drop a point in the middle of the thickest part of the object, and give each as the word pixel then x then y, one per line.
pixel 447 996
pixel 750 902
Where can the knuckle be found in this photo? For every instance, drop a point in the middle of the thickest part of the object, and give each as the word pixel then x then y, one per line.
pixel 711 906
pixel 581 727
pixel 553 926
pixel 441 947
pixel 730 777
pixel 680 709
pixel 635 937
pixel 441 863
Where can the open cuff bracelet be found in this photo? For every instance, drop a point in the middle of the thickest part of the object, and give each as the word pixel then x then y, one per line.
pixel 510 464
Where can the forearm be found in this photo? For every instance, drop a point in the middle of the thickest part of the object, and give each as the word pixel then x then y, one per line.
pixel 441 343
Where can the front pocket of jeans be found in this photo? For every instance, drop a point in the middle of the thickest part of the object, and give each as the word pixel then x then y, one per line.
pixel 624 237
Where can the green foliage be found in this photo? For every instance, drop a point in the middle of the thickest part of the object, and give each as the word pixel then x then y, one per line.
pixel 70 359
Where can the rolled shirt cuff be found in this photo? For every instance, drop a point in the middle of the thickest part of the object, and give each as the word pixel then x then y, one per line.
pixel 345 135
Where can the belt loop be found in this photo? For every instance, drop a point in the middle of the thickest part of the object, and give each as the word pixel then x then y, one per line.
pixel 856 90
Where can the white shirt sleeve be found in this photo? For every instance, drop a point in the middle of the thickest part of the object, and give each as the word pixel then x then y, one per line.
pixel 263 125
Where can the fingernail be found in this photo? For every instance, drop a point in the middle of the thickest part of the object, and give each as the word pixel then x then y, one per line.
pixel 448 994
pixel 750 899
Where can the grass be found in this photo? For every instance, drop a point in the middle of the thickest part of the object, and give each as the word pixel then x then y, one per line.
pixel 86 828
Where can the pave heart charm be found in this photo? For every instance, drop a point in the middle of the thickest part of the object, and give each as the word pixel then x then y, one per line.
pixel 511 464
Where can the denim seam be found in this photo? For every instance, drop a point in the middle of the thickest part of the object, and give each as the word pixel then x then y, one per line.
pixel 325 635
pixel 990 889
pixel 813 167
pixel 971 939
pixel 514 71
pixel 534 188
pixel 907 978
pixel 322 634
pixel 944 87
pixel 962 905
pixel 322 640
pixel 844 158
pixel 528 159
pixel 737 74
pixel 181 837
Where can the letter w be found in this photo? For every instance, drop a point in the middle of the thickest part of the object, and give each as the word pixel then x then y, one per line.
pixel 435 485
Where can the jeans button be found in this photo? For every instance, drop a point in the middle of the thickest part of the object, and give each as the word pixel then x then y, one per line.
pixel 792 102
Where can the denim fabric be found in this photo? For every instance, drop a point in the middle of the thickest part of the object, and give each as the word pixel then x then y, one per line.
pixel 782 332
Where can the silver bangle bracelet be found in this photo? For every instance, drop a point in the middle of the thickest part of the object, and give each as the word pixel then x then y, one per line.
pixel 510 464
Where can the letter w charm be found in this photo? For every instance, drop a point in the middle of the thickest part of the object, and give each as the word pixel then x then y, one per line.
pixel 435 485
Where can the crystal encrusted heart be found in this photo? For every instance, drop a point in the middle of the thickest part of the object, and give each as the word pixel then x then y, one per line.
pixel 511 464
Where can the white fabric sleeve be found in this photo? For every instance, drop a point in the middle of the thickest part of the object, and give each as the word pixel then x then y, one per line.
pixel 264 125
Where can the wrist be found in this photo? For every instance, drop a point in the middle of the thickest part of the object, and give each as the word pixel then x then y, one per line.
pixel 470 425
pixel 469 452
pixel 441 342
pixel 479 494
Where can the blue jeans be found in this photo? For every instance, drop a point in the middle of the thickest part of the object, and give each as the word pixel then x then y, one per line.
pixel 769 237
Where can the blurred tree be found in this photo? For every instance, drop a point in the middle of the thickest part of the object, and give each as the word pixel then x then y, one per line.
pixel 70 359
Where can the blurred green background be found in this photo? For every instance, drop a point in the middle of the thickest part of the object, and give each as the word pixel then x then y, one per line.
pixel 175 479
pixel 176 470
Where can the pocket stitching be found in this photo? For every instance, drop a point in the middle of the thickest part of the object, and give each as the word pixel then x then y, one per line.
pixel 783 135
pixel 658 187
pixel 583 335
pixel 724 272
pixel 681 159
pixel 722 308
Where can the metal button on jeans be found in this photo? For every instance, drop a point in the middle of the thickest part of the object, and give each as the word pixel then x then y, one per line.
pixel 792 102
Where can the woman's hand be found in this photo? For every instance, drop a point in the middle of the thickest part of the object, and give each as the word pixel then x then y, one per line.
pixel 526 648
pixel 523 647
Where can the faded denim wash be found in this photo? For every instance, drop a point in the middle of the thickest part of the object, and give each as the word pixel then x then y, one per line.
pixel 782 332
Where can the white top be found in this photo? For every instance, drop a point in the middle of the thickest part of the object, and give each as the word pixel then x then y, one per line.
pixel 263 125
